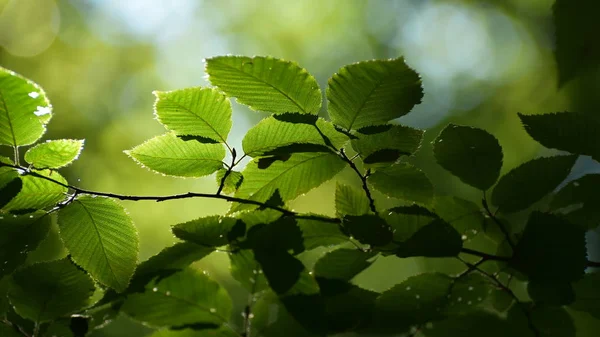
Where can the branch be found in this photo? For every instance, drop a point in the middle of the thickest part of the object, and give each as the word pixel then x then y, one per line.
pixel 363 179
pixel 497 222
pixel 486 256
pixel 228 172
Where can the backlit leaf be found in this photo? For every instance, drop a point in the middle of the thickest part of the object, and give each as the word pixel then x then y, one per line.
pixel 372 92
pixel 45 291
pixel 292 176
pixel 185 298
pixel 101 238
pixel 286 130
pixel 247 271
pixel 317 233
pixel 471 154
pixel 369 229
pixel 232 182
pixel 342 264
pixel 174 156
pixel 465 216
pixel 405 221
pixel 350 201
pixel 403 181
pixel 386 143
pixel 38 193
pixel 212 231
pixel 24 110
pixel 265 83
pixel 54 154
pixel 528 183
pixel 203 112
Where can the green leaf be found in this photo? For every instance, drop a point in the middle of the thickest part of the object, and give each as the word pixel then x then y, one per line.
pixel 474 324
pixel 185 298
pixel 576 44
pixel 222 332
pixel 8 331
pixel 528 183
pixel 368 229
pixel 471 154
pixel 342 264
pixel 405 221
pixel 417 300
pixel 24 110
pixel 247 271
pixel 101 239
pixel 587 294
pixel 386 143
pixel 233 181
pixel 350 201
pixel 7 173
pixel 265 83
pixel 372 92
pixel 501 300
pixel 280 235
pixel 46 291
pixel 20 235
pixel 38 193
pixel 548 321
pixel 578 201
pixel 548 292
pixel 549 244
pixel 567 131
pixel 317 233
pixel 403 181
pixel 465 216
pixel 174 156
pixel 295 175
pixel 289 130
pixel 468 293
pixel 54 154
pixel 285 274
pixel 212 231
pixel 202 112
pixel 437 239
pixel 10 190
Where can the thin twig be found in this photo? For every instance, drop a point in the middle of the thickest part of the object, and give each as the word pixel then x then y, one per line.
pixel 485 255
pixel 222 183
pixel 497 222
pixel 363 179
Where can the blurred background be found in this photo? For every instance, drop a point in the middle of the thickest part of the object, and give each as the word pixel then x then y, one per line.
pixel 99 60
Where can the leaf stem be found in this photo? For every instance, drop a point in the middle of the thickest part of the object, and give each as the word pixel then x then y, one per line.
pixel 485 256
pixel 16 154
pixel 497 222
pixel 363 179
pixel 227 173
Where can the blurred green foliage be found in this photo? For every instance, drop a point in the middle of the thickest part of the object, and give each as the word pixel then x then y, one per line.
pixel 99 61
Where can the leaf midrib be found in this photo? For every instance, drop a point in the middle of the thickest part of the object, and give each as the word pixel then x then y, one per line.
pixel 377 84
pixel 198 117
pixel 268 84
pixel 12 131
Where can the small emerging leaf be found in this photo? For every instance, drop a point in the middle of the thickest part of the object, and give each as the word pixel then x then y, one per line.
pixel 265 83
pixel 54 154
pixel 101 239
pixel 174 156
pixel 471 154
pixel 528 183
pixel 203 112
pixel 372 92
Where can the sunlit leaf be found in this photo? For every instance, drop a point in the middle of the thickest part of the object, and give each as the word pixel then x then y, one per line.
pixel 185 298
pixel 528 183
pixel 54 154
pixel 101 238
pixel 292 176
pixel 203 112
pixel 212 231
pixel 45 291
pixel 265 83
pixel 403 181
pixel 471 154
pixel 289 130
pixel 550 249
pixel 20 235
pixel 174 156
pixel 342 264
pixel 232 182
pixel 38 193
pixel 24 110
pixel 350 201
pixel 386 143
pixel 372 92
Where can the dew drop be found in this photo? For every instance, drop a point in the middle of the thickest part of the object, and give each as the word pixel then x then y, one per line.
pixel 470 288
pixel 155 289
pixel 34 94
pixel 417 296
pixel 459 299
pixel 168 293
pixel 576 184
pixel 479 299
pixel 213 310
pixel 408 288
pixel 469 303
pixel 464 237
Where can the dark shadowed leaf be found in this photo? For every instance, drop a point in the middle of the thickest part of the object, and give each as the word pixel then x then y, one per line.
pixel 474 324
pixel 45 291
pixel 550 249
pixel 342 264
pixel 265 83
pixel 437 239
pixel 174 156
pixel 468 293
pixel 101 239
pixel 372 92
pixel 233 181
pixel 578 201
pixel 10 190
pixel 587 294
pixel 212 231
pixel 471 154
pixel 54 154
pixel 24 110
pixel 38 193
pixel 403 181
pixel 350 201
pixel 386 143
pixel 548 292
pixel 20 235
pixel 548 321
pixel 405 221
pixel 317 233
pixel 203 112
pixel 247 271
pixel 465 216
pixel 368 229
pixel 347 307
pixel 184 298
pixel 528 183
